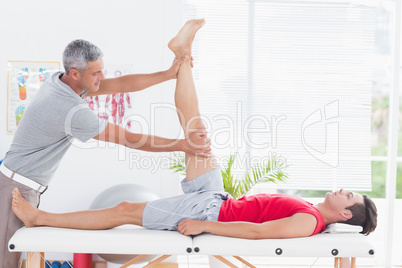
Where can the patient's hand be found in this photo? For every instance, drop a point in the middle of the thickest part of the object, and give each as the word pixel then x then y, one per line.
pixel 191 227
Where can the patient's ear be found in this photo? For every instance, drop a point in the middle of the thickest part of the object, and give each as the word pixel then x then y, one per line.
pixel 346 214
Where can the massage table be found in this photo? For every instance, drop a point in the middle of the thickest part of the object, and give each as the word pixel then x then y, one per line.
pixel 129 239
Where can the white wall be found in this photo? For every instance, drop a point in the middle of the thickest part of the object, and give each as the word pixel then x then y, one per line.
pixel 128 32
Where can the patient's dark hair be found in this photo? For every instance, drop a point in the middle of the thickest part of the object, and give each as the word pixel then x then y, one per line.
pixel 364 215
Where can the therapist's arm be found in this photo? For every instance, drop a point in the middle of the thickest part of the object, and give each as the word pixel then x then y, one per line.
pixel 198 143
pixel 137 82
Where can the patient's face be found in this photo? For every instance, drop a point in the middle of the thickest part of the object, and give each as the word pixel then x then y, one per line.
pixel 340 200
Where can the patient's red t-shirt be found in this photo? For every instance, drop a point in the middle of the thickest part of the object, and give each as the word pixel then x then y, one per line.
pixel 267 207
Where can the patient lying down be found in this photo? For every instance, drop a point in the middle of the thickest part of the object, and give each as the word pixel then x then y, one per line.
pixel 199 210
pixel 204 206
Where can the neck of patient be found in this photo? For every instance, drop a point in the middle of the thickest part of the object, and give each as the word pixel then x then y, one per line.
pixel 329 215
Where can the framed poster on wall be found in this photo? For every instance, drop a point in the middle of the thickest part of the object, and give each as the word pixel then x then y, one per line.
pixel 23 81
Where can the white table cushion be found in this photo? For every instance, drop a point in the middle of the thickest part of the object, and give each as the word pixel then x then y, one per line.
pixel 320 245
pixel 126 239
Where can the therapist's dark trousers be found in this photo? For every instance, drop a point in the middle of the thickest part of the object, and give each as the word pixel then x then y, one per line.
pixel 9 223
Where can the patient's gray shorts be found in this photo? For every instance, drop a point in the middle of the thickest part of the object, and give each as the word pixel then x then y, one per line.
pixel 202 200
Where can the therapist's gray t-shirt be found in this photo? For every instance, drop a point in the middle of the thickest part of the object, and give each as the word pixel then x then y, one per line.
pixel 54 117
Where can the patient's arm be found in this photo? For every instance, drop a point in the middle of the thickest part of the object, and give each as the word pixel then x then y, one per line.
pixel 298 225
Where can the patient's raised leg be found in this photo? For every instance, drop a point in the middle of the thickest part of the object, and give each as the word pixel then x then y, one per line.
pixel 186 98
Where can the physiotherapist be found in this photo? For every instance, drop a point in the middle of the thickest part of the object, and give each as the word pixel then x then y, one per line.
pixel 57 115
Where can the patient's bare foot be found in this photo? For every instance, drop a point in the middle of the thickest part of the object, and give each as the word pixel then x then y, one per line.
pixel 181 43
pixel 23 210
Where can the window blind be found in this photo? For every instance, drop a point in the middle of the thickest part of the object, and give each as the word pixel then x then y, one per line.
pixel 292 79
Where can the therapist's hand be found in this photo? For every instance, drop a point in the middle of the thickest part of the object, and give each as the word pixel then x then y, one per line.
pixel 197 143
pixel 174 69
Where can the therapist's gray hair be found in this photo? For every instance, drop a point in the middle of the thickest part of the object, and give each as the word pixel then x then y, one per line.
pixel 78 53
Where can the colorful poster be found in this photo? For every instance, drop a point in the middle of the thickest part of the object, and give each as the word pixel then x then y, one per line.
pixel 24 80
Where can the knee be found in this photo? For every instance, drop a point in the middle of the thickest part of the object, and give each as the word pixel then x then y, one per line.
pixel 123 206
pixel 194 124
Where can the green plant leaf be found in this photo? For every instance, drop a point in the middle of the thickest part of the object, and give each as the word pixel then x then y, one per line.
pixel 272 170
pixel 178 163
